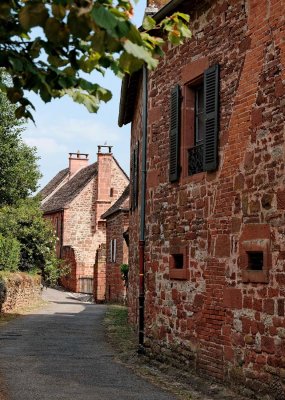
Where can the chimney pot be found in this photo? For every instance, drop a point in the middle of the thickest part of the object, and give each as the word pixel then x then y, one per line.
pixel 77 161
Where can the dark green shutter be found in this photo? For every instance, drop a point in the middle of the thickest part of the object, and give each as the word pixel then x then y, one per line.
pixel 174 134
pixel 211 114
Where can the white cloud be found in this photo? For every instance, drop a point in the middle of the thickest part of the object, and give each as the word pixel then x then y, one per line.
pixel 45 145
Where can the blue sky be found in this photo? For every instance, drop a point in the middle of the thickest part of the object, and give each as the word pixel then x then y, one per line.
pixel 63 126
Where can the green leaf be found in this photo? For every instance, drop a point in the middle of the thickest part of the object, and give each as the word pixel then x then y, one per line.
pixel 148 23
pixel 186 17
pixel 89 101
pixel 105 19
pixel 78 25
pixel 56 31
pixel 58 11
pixel 33 15
pixel 57 61
pixel 129 63
pixel 16 63
pixel 14 94
pixel 20 112
pixel 104 94
pixel 140 53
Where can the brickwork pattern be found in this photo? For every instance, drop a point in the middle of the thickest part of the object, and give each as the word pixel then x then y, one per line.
pixel 117 224
pixel 213 321
pixel 83 229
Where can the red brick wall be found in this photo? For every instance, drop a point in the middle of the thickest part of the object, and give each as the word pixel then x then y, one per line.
pixel 99 289
pixel 70 281
pixel 133 289
pixel 117 224
pixel 216 320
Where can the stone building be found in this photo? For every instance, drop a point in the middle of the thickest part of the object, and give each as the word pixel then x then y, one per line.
pixel 117 224
pixel 74 201
pixel 207 223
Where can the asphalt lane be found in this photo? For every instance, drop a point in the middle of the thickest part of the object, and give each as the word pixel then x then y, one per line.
pixel 60 353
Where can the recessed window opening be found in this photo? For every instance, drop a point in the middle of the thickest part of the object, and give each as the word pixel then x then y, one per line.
pixel 195 152
pixel 199 113
pixel 111 192
pixel 178 261
pixel 255 260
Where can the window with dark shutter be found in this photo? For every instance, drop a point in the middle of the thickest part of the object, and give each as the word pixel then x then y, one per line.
pixel 174 135
pixel 211 116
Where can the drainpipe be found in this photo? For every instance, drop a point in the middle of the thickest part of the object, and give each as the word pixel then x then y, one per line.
pixel 142 217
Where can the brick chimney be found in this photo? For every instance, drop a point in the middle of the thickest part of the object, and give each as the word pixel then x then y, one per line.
pixel 104 161
pixel 153 6
pixel 77 161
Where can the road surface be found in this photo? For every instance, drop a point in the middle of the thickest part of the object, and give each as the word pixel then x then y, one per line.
pixel 59 352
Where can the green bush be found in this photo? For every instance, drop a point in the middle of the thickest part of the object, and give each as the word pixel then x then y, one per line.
pixel 124 268
pixel 36 237
pixel 9 253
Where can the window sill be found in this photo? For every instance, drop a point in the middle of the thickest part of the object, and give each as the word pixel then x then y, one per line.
pixel 180 274
pixel 193 178
pixel 255 276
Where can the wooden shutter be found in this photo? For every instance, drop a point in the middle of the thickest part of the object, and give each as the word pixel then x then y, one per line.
pixel 174 134
pixel 115 250
pixel 211 118
pixel 111 250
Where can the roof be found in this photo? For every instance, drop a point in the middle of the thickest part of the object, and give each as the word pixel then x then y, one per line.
pixel 53 184
pixel 130 83
pixel 63 197
pixel 122 204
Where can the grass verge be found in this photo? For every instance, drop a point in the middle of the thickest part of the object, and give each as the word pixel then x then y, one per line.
pixel 124 340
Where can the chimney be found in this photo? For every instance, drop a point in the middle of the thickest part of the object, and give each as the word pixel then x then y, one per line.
pixel 153 6
pixel 77 161
pixel 104 160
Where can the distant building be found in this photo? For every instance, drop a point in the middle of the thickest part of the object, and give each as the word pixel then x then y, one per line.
pixel 117 220
pixel 74 201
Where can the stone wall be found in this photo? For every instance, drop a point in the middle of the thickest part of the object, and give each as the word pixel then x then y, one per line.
pixel 83 229
pixel 219 318
pixel 117 224
pixel 18 290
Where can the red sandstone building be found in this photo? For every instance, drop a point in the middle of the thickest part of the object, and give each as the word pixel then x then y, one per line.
pixel 207 235
pixel 74 200
pixel 117 224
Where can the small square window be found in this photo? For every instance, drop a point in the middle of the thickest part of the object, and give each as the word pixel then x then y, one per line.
pixel 255 260
pixel 177 261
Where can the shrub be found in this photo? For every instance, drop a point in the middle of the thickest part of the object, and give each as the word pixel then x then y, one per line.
pixel 9 253
pixel 125 273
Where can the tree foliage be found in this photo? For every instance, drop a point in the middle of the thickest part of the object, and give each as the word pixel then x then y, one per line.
pixel 76 37
pixel 35 237
pixel 27 241
pixel 19 173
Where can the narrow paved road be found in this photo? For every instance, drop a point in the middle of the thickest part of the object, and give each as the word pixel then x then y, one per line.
pixel 59 352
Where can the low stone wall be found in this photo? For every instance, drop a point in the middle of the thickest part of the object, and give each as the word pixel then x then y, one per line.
pixel 18 290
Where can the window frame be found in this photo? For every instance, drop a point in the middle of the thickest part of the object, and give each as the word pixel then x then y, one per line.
pixel 181 272
pixel 192 76
pixel 113 250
